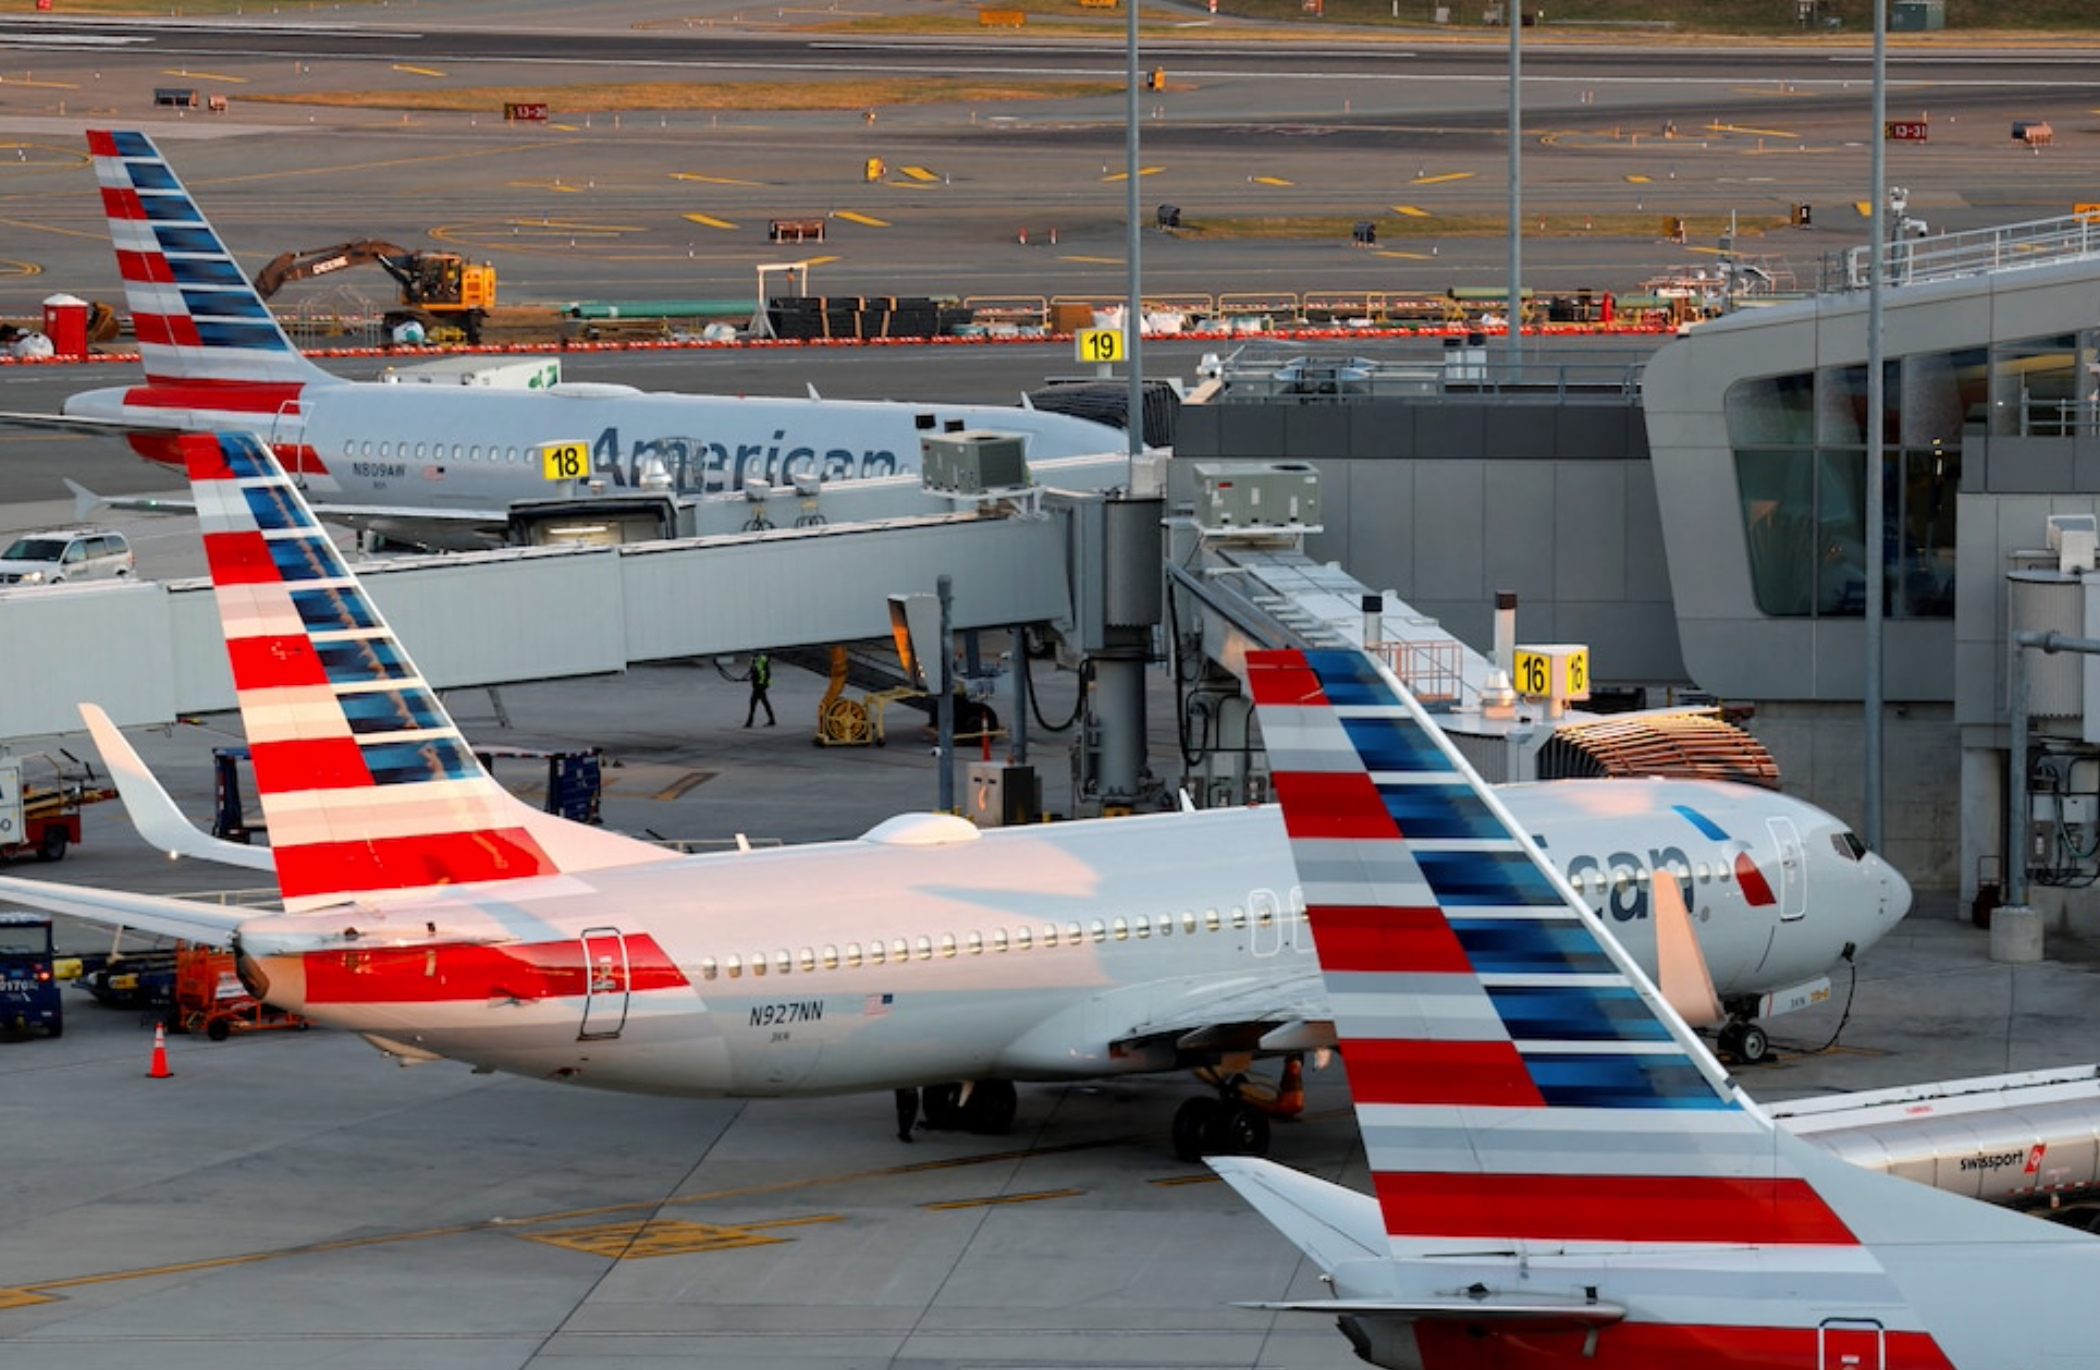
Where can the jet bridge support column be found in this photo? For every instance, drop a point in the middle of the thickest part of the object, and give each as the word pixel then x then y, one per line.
pixel 1122 610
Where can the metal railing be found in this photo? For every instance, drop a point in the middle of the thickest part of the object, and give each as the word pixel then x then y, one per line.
pixel 1949 256
pixel 1276 372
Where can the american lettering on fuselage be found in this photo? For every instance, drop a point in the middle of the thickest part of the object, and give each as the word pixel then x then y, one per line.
pixel 696 465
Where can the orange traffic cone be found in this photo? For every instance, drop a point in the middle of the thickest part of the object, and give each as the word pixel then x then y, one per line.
pixel 1290 1089
pixel 160 1069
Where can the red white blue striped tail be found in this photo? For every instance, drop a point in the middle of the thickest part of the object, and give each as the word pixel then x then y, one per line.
pixel 366 785
pixel 1536 1088
pixel 197 318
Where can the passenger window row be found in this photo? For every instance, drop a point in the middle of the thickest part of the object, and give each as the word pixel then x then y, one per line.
pixel 436 451
pixel 999 941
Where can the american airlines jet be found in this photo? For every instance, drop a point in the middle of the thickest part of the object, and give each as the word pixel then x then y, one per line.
pixel 444 464
pixel 1561 1174
pixel 434 913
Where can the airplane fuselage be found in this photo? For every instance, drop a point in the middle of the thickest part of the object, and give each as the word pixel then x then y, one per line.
pixel 460 447
pixel 930 951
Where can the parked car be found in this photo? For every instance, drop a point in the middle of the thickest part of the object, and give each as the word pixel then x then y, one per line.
pixel 66 554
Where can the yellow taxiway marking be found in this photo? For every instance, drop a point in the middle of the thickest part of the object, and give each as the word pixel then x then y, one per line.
pixel 209 76
pixel 1407 256
pixel 1176 1181
pixel 1640 180
pixel 24 1295
pixel 1124 175
pixel 418 71
pixel 646 1239
pixel 1447 176
pixel 998 1200
pixel 1865 208
pixel 1272 181
pixel 708 219
pixel 1094 261
pixel 712 180
pixel 555 186
pixel 850 217
pixel 1753 132
pixel 40 85
pixel 1708 251
pixel 919 173
pixel 22 1298
pixel 1412 212
pixel 14 268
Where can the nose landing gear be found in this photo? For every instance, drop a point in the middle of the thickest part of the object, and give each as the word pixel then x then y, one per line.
pixel 1746 1041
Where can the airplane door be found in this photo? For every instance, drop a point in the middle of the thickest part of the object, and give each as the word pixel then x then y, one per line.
pixel 1793 868
pixel 1849 1344
pixel 1265 934
pixel 606 981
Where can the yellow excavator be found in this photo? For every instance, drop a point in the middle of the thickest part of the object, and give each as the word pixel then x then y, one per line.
pixel 437 288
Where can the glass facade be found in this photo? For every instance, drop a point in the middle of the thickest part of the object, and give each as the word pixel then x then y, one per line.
pixel 1800 443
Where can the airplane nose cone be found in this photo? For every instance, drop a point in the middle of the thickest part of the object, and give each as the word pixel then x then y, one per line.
pixel 1895 894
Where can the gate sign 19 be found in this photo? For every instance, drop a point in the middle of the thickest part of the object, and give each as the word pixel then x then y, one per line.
pixel 1099 344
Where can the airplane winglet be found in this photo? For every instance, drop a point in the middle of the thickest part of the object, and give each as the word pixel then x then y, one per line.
pixel 1681 971
pixel 86 503
pixel 151 809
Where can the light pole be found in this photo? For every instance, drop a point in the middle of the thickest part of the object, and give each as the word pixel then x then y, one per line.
pixel 1877 544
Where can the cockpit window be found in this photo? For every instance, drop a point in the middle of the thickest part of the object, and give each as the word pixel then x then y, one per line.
pixel 1848 845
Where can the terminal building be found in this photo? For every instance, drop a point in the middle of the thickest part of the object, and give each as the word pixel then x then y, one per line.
pixel 1698 517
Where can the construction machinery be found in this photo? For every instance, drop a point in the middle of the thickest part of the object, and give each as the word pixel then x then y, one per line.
pixel 437 288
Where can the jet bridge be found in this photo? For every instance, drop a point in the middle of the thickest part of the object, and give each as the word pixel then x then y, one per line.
pixel 1238 580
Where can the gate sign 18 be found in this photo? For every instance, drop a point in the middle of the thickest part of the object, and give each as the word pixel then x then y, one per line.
pixel 565 460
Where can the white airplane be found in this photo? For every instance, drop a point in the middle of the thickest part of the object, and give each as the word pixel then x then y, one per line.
pixel 1562 1175
pixel 436 914
pixel 442 464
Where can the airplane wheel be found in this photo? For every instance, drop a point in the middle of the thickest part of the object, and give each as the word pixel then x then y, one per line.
pixel 990 1109
pixel 1193 1123
pixel 1239 1129
pixel 1753 1046
pixel 942 1106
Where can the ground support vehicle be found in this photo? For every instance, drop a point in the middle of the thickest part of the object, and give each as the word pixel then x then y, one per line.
pixel 29 999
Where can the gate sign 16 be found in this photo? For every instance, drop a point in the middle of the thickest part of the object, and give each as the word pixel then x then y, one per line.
pixel 1559 672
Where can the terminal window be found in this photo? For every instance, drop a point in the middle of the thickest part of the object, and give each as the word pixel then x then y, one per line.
pixel 1800 445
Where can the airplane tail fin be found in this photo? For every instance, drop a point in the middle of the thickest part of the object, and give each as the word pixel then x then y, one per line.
pixel 1549 1144
pixel 366 785
pixel 198 320
pixel 1518 1008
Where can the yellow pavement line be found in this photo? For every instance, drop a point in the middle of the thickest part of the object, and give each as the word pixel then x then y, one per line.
pixel 1447 176
pixel 418 71
pixel 41 85
pixel 1406 256
pixel 850 217
pixel 1001 1200
pixel 1124 175
pixel 712 180
pixel 1640 180
pixel 712 222
pixel 919 173
pixel 1754 132
pixel 1865 208
pixel 1412 212
pixel 208 76
pixel 1271 181
pixel 1094 261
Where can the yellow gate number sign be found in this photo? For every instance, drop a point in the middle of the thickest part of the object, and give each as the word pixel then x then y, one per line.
pixel 1561 673
pixel 565 461
pixel 1099 344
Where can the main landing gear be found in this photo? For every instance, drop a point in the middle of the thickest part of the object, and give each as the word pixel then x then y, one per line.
pixel 1236 1121
pixel 1745 1040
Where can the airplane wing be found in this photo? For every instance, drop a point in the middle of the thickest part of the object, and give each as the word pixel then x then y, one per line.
pixel 452 528
pixel 185 918
pixel 153 813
